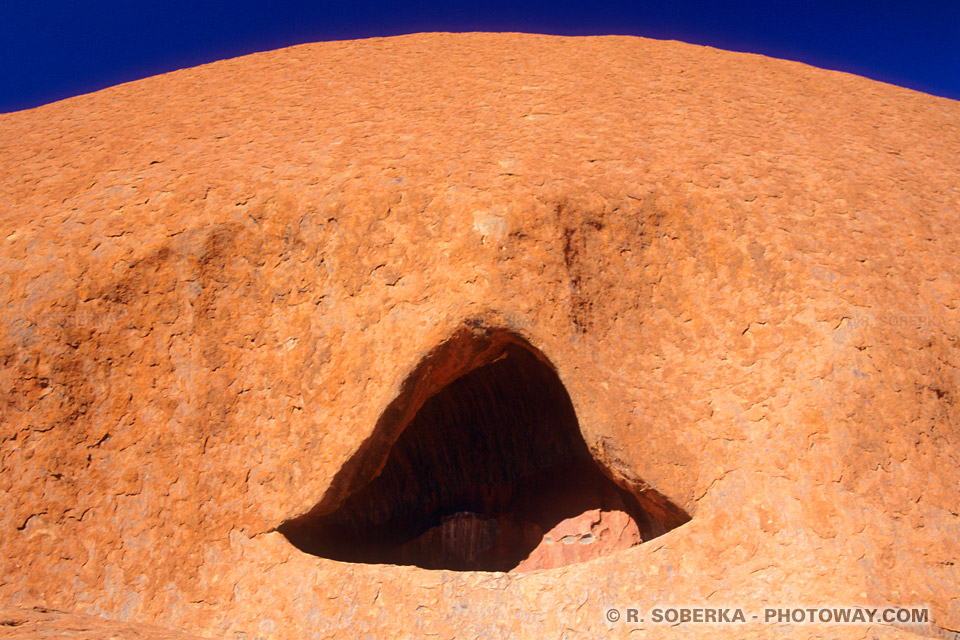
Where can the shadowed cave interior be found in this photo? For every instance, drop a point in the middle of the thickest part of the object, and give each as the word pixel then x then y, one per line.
pixel 490 474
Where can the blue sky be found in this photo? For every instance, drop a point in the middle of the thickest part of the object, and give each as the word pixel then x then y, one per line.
pixel 53 49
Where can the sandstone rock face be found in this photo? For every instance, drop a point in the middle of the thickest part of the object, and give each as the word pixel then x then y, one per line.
pixel 585 537
pixel 470 296
pixel 30 623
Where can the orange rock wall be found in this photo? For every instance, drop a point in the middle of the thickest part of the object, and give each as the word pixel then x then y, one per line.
pixel 215 280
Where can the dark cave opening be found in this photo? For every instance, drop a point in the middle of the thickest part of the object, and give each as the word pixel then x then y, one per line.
pixel 490 473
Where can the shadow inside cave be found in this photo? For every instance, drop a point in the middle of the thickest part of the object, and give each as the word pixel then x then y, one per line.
pixel 479 464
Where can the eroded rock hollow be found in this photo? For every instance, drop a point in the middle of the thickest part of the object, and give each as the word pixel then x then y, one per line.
pixel 491 473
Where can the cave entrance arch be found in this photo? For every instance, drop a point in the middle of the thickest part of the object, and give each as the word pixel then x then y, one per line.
pixel 479 464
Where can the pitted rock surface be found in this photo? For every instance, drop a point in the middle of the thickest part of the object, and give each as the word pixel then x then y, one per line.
pixel 30 623
pixel 215 281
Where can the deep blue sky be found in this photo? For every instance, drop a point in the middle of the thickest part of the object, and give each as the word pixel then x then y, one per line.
pixel 53 49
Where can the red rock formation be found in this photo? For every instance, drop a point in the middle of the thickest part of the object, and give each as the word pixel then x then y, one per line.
pixel 30 623
pixel 229 291
pixel 584 537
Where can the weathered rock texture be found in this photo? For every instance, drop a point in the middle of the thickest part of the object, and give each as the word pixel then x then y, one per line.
pixel 221 286
pixel 31 623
